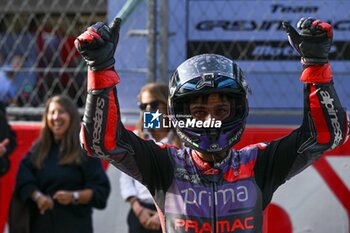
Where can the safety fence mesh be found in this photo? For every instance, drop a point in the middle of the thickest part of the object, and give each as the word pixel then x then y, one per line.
pixel 38 58
pixel 37 52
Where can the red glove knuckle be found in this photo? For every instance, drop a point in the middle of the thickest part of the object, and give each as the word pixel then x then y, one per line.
pixel 327 27
pixel 85 37
pixel 88 36
pixel 316 22
pixel 93 33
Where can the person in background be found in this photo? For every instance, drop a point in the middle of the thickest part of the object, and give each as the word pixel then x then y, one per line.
pixel 16 83
pixel 6 82
pixel 62 183
pixel 8 141
pixel 143 216
pixel 8 88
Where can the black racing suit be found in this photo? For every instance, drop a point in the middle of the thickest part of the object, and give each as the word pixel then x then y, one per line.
pixel 193 196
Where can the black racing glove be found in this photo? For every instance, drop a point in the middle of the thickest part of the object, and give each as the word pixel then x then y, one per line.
pixel 314 41
pixel 98 43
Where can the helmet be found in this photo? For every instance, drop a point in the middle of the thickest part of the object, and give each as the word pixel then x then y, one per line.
pixel 200 76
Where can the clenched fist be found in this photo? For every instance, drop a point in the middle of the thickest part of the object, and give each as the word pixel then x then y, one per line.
pixel 314 41
pixel 98 43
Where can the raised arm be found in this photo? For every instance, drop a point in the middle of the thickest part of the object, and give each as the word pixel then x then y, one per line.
pixel 324 116
pixel 97 46
pixel 325 123
pixel 103 134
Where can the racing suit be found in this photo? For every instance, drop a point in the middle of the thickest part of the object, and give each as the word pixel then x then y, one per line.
pixel 194 196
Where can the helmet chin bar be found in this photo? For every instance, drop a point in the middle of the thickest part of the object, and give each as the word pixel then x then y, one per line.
pixel 212 144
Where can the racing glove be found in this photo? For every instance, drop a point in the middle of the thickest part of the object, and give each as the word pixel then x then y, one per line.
pixel 98 43
pixel 313 44
pixel 97 46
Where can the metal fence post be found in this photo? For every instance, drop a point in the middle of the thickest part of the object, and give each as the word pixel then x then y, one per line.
pixel 163 39
pixel 152 48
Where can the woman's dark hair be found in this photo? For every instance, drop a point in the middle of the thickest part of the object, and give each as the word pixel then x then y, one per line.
pixel 70 151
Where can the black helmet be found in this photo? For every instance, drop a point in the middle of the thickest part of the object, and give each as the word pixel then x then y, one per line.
pixel 200 76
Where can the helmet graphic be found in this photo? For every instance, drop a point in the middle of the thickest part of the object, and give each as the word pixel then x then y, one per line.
pixel 203 75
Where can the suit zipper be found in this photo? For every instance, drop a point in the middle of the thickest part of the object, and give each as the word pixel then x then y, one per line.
pixel 214 209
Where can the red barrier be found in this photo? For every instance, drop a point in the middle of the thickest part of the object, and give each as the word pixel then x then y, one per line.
pixel 26 135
